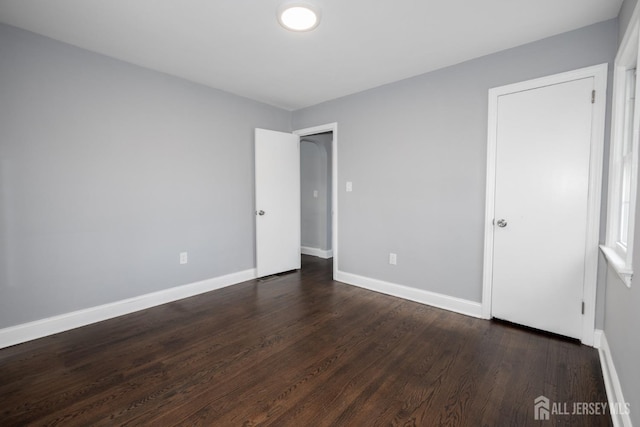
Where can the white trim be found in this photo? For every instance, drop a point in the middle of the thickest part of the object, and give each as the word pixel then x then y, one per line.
pixel 330 127
pixel 75 319
pixel 487 272
pixel 612 382
pixel 599 74
pixel 597 338
pixel 617 263
pixel 458 305
pixel 320 253
pixel 594 203
pixel 621 260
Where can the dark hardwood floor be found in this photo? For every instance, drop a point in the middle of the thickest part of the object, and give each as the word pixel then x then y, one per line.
pixel 296 350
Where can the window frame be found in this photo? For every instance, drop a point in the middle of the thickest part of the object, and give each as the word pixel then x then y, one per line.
pixel 618 254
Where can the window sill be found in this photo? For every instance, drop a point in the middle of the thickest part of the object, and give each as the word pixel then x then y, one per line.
pixel 618 264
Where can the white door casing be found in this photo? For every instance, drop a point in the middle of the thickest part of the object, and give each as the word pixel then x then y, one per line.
pixel 277 174
pixel 544 172
pixel 330 127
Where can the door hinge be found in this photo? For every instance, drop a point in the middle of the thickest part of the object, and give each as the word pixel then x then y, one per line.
pixel 582 307
pixel 593 96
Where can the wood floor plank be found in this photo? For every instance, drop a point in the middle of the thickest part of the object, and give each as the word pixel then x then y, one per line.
pixel 296 349
pixel 355 380
pixel 342 348
pixel 244 378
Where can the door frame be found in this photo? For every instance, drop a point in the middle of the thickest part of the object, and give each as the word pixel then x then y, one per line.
pixel 599 74
pixel 329 127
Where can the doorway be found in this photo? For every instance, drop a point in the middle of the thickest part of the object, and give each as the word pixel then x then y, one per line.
pixel 315 195
pixel 328 135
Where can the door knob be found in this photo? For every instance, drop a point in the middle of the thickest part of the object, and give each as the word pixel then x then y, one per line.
pixel 501 223
pixel 260 213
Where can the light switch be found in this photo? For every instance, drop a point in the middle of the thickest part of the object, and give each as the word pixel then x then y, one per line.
pixel 315 194
pixel 349 186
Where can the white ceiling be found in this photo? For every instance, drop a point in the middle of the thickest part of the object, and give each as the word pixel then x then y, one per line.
pixel 238 46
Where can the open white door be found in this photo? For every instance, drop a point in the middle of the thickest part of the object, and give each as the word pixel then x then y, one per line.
pixel 277 172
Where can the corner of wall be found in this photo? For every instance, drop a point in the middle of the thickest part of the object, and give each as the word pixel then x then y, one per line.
pixel 618 406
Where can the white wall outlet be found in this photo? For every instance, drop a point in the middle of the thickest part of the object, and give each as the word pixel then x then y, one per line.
pixel 315 194
pixel 349 186
pixel 184 258
pixel 393 259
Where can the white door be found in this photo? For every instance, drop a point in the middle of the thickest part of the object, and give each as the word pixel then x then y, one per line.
pixel 277 172
pixel 541 203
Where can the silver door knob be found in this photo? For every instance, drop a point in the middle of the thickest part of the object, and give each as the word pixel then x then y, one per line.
pixel 260 213
pixel 501 223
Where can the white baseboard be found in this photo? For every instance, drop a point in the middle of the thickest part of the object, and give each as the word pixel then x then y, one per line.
pixel 75 319
pixel 321 253
pixel 597 338
pixel 458 305
pixel 611 381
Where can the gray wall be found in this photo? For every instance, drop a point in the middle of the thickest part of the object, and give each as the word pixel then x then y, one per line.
pixel 415 151
pixel 315 174
pixel 108 171
pixel 625 15
pixel 622 320
pixel 622 308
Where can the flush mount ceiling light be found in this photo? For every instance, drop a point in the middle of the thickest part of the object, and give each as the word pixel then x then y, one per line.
pixel 299 16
